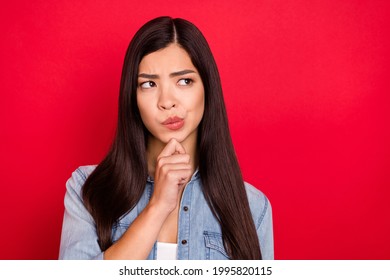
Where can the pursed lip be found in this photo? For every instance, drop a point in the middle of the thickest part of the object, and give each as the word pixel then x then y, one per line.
pixel 172 120
pixel 173 123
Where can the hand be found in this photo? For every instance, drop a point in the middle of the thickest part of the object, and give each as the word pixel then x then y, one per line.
pixel 173 171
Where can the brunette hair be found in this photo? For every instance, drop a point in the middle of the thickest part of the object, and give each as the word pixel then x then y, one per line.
pixel 118 182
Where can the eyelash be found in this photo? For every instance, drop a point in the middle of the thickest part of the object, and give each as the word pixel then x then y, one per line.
pixel 147 82
pixel 190 81
pixel 187 81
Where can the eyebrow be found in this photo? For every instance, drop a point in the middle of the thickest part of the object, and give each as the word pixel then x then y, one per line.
pixel 174 74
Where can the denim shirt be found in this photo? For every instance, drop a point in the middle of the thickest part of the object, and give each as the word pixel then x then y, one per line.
pixel 199 233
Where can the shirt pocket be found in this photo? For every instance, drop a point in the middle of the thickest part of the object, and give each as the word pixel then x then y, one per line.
pixel 214 246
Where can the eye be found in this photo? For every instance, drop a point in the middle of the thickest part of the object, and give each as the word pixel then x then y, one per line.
pixel 148 84
pixel 185 82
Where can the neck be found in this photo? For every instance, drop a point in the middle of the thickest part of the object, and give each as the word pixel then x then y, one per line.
pixel 155 146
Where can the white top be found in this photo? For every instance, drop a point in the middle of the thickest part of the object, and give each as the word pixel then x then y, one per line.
pixel 166 251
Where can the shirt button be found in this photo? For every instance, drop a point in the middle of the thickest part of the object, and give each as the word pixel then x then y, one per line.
pixel 185 208
pixel 184 242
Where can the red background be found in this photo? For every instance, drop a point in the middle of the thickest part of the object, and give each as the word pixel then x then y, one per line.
pixel 306 85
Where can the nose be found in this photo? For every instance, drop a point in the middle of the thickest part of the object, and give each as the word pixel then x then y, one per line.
pixel 166 99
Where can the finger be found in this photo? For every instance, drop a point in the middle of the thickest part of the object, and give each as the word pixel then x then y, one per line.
pixel 176 158
pixel 172 147
pixel 169 167
pixel 171 172
pixel 180 176
pixel 173 162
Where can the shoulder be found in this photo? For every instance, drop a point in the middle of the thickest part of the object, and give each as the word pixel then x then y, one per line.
pixel 78 178
pixel 258 202
pixel 255 196
pixel 84 171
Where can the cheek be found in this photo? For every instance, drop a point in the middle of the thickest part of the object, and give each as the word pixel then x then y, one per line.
pixel 195 100
pixel 143 109
pixel 200 104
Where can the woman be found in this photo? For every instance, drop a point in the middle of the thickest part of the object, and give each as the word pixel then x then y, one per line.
pixel 170 186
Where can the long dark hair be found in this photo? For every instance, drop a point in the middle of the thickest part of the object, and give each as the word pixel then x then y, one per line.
pixel 118 182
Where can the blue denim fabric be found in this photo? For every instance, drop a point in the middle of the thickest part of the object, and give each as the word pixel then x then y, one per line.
pixel 199 233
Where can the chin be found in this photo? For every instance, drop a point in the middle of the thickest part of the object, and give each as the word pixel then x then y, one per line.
pixel 180 139
pixel 180 136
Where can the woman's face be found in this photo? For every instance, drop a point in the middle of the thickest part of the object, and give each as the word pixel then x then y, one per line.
pixel 170 94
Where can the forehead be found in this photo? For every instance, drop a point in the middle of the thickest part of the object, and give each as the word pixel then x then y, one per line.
pixel 170 59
